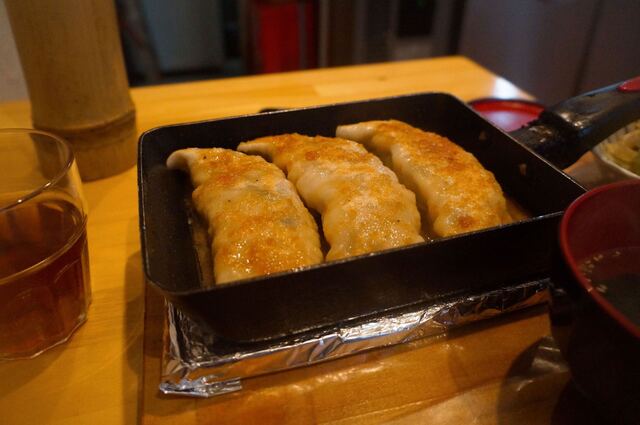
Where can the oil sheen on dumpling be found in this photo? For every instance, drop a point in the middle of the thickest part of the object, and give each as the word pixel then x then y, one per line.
pixel 363 206
pixel 455 192
pixel 257 223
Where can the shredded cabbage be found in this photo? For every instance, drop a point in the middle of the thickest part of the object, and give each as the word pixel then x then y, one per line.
pixel 625 151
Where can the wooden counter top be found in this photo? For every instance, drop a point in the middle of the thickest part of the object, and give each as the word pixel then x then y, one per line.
pixel 98 376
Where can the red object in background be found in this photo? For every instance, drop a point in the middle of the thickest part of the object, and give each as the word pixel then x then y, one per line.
pixel 508 114
pixel 631 85
pixel 285 36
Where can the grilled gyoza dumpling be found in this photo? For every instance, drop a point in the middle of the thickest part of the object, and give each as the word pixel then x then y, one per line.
pixel 257 223
pixel 363 206
pixel 455 192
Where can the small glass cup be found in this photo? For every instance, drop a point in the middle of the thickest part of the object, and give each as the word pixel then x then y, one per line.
pixel 44 264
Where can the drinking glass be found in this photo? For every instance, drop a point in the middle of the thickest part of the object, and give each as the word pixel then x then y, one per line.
pixel 44 265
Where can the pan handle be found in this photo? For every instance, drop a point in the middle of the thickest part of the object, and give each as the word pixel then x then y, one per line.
pixel 564 132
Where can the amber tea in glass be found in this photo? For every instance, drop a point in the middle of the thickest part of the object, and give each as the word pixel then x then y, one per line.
pixel 44 266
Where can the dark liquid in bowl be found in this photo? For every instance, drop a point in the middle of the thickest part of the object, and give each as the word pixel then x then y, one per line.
pixel 616 275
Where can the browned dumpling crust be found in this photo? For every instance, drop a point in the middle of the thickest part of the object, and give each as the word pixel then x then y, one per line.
pixel 257 222
pixel 455 193
pixel 363 206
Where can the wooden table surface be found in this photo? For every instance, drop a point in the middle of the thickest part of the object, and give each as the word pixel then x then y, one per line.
pixel 98 376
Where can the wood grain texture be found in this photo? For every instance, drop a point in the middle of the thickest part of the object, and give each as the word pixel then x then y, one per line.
pixel 98 377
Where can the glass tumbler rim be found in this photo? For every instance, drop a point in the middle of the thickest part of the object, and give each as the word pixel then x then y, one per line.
pixel 52 181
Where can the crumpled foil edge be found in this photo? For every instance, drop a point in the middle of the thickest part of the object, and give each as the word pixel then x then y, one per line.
pixel 195 363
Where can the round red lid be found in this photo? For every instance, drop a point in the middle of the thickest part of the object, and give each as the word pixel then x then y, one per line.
pixel 508 114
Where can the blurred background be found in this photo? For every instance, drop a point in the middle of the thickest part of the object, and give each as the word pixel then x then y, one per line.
pixel 551 48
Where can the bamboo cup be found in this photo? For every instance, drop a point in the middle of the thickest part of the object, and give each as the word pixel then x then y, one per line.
pixel 72 61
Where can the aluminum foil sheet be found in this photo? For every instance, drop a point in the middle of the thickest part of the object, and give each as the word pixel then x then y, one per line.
pixel 196 363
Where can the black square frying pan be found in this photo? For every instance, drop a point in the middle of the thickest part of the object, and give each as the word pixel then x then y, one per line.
pixel 282 304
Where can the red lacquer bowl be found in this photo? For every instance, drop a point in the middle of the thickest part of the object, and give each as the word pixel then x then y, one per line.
pixel 600 343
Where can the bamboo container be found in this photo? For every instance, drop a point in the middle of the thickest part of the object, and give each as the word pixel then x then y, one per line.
pixel 72 61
